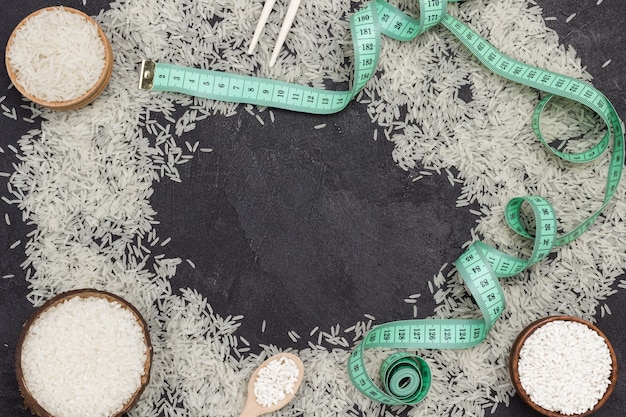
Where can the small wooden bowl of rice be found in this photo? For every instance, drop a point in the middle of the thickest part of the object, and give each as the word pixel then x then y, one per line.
pixel 563 366
pixel 83 353
pixel 59 58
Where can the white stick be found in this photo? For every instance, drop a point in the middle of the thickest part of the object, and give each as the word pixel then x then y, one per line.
pixel 289 17
pixel 267 9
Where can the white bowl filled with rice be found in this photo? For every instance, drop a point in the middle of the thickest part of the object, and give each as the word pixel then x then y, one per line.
pixel 563 366
pixel 83 353
pixel 59 58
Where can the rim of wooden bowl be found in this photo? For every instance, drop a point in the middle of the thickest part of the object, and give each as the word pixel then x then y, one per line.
pixel 91 94
pixel 514 359
pixel 29 401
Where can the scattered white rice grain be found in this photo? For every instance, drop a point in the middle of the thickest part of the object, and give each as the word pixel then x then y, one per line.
pixel 8 276
pixel 272 119
pixel 206 150
pixel 191 263
pixel 369 316
pixel 166 241
pixel 320 126
pixel 263 326
pixel 260 120
pixel 550 18
pixel 570 17
pixel 606 63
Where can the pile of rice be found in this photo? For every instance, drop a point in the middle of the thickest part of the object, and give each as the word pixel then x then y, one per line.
pixel 565 366
pixel 85 179
pixel 84 357
pixel 57 55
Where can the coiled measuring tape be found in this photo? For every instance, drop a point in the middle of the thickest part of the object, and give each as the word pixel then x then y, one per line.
pixel 406 378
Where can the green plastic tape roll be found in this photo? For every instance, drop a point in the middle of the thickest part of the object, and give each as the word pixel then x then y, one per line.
pixel 405 378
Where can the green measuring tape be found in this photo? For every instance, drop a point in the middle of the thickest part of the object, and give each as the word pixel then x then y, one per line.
pixel 406 378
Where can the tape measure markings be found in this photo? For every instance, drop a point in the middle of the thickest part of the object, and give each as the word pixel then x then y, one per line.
pixel 237 88
pixel 405 377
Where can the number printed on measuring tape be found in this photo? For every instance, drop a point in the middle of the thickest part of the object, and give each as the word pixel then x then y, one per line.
pixel 406 378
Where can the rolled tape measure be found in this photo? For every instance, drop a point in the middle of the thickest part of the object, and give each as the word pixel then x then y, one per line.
pixel 406 378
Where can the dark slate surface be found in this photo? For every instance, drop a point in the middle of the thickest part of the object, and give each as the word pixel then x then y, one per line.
pixel 243 228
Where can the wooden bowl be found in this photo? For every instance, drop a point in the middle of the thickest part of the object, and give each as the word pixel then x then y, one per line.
pixel 515 355
pixel 89 95
pixel 29 401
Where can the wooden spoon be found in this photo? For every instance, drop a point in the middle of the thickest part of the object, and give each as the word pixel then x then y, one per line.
pixel 252 407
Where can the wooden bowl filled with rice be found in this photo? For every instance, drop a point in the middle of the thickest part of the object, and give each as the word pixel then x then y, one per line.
pixel 83 353
pixel 563 366
pixel 59 58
